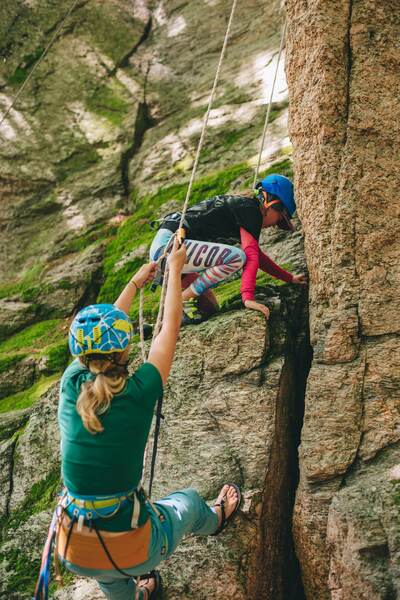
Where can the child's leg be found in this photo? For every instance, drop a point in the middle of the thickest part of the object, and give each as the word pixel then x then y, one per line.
pixel 207 302
pixel 214 262
pixel 159 242
pixel 186 512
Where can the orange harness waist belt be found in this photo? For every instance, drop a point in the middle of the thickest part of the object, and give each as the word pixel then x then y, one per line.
pixel 84 549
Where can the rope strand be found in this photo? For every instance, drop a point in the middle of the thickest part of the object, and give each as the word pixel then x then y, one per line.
pixel 269 108
pixel 160 314
pixel 36 65
pixel 141 324
pixel 207 115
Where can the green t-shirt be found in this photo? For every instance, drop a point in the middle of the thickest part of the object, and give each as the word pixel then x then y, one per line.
pixel 111 461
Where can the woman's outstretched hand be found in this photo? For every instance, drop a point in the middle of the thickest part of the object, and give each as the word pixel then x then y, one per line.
pixel 300 279
pixel 145 274
pixel 253 305
pixel 177 258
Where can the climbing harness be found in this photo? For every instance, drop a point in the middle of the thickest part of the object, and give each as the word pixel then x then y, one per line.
pixel 75 518
pixel 36 65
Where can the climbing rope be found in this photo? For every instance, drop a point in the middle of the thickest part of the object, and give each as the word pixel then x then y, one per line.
pixel 42 57
pixel 141 327
pixel 179 232
pixel 206 118
pixel 269 108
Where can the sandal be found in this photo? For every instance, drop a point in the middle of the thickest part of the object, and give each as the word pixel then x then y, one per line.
pixel 158 584
pixel 225 520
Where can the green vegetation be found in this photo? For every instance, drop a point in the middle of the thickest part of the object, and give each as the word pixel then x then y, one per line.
pixel 40 497
pixel 97 234
pixel 111 29
pixel 228 294
pixel 108 102
pixel 81 159
pixel 19 286
pixel 46 338
pixel 23 569
pixel 22 71
pixel 27 397
pixel 8 361
pixel 35 337
pixel 57 357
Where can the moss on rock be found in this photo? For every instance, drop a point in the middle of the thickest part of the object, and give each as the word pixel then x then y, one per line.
pixel 24 68
pixel 57 357
pixel 40 497
pixel 111 29
pixel 9 361
pixel 20 285
pixel 35 337
pixel 109 102
pixel 82 157
pixel 21 562
pixel 27 397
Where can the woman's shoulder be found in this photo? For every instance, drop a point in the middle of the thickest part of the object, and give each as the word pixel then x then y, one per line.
pixel 74 372
pixel 146 379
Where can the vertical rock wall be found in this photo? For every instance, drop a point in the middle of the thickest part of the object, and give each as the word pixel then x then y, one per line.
pixel 343 60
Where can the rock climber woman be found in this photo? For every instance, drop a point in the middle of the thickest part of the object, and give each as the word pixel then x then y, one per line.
pixel 212 227
pixel 108 528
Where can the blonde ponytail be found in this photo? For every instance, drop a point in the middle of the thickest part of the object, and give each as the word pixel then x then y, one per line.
pixel 96 396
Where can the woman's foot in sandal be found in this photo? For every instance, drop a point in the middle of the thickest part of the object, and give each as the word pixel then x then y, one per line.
pixel 227 505
pixel 150 584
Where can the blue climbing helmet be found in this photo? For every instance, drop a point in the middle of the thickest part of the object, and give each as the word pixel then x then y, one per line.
pixel 99 329
pixel 281 187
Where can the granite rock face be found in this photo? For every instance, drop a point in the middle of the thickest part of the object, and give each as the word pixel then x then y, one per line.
pixel 346 176
pixel 232 399
pixel 77 155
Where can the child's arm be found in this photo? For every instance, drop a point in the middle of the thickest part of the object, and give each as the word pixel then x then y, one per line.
pixel 268 266
pixel 249 275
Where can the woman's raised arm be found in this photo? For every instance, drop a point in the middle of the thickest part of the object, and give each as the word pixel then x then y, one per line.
pixel 146 273
pixel 163 347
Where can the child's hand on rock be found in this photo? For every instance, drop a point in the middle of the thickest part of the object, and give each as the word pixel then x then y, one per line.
pixel 253 305
pixel 300 279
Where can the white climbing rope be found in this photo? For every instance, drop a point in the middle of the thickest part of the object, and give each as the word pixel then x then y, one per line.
pixel 207 115
pixel 141 326
pixel 191 181
pixel 36 65
pixel 160 314
pixel 257 169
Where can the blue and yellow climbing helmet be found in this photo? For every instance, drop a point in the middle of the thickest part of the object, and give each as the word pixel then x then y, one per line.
pixel 99 329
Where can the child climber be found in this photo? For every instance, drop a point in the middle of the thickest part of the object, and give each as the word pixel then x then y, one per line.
pixel 108 529
pixel 213 226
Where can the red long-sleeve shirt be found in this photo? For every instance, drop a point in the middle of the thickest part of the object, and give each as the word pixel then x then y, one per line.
pixel 257 259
